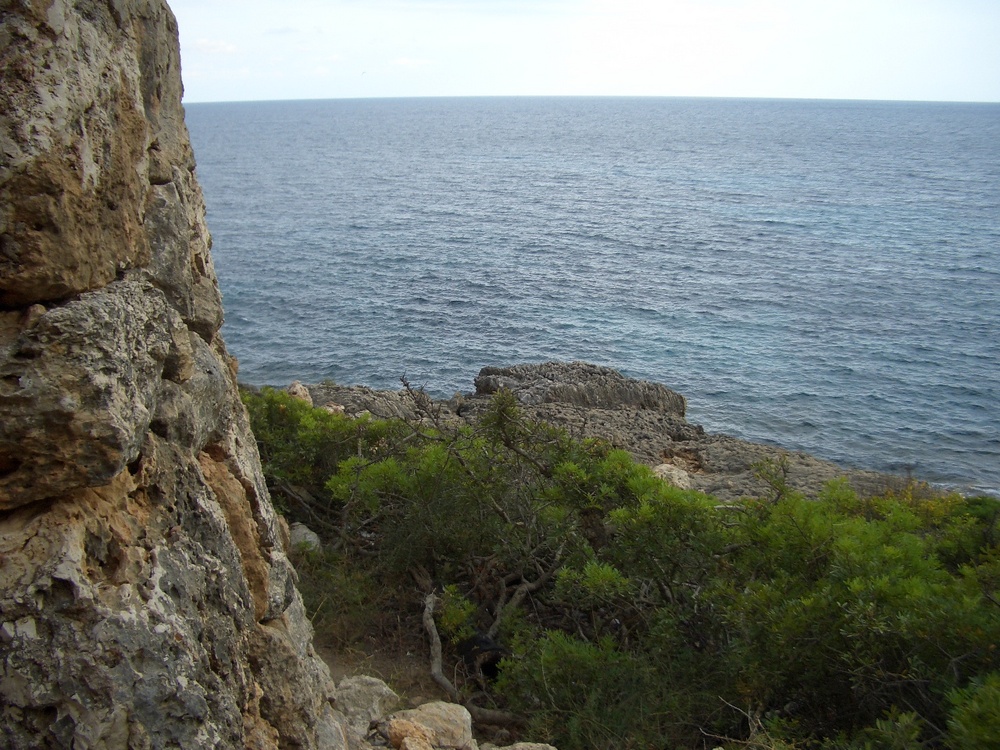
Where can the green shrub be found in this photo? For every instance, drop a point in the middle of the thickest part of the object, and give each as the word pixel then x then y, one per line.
pixel 641 615
pixel 342 600
pixel 974 723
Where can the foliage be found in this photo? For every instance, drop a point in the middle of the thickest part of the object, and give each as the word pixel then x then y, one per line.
pixel 344 601
pixel 456 615
pixel 640 615
pixel 974 723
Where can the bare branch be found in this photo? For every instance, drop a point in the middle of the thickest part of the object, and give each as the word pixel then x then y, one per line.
pixel 479 714
pixel 436 672
pixel 527 587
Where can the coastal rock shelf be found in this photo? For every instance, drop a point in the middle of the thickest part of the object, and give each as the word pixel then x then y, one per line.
pixel 646 419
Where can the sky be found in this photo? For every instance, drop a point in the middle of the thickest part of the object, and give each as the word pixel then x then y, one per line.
pixel 923 50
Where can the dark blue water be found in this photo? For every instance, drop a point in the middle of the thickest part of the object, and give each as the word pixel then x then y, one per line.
pixel 821 275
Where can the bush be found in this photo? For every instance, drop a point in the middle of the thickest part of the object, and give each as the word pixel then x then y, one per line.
pixel 640 615
pixel 974 723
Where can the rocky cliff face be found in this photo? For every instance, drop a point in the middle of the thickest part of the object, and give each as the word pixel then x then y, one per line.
pixel 145 597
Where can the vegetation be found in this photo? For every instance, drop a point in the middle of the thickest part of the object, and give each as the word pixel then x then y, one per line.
pixel 638 615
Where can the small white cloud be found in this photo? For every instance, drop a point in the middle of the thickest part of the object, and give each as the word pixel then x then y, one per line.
pixel 215 46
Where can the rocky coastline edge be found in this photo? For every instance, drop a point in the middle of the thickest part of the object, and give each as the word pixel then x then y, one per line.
pixel 646 419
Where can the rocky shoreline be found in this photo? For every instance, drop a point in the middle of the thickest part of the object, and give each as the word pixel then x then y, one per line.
pixel 644 418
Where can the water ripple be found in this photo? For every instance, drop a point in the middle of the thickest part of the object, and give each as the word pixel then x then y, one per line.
pixel 822 275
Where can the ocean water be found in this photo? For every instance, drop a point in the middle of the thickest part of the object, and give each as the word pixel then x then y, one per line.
pixel 819 275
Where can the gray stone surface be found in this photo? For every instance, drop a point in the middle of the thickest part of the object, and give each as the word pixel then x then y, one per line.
pixel 78 387
pixel 450 723
pixel 363 700
pixel 579 384
pixel 358 399
pixel 146 600
pixel 301 536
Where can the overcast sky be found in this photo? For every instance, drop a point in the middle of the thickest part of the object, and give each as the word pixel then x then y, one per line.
pixel 236 50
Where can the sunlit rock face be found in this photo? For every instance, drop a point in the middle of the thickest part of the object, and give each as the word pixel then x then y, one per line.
pixel 145 597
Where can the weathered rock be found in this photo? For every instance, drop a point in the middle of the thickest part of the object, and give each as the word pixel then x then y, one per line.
pixel 364 699
pixel 450 723
pixel 675 475
pixel 73 133
pixel 579 384
pixel 192 411
pixel 181 264
pixel 145 594
pixel 78 387
pixel 354 400
pixel 299 391
pixel 301 536
pixel 401 731
pixel 415 743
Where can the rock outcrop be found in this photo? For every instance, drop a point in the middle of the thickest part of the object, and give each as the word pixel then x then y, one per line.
pixel 647 419
pixel 145 597
pixel 579 384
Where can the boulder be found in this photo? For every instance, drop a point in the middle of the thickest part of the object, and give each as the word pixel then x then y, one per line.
pixel 299 391
pixel 364 699
pixel 301 536
pixel 415 743
pixel 450 724
pixel 674 475
pixel 412 734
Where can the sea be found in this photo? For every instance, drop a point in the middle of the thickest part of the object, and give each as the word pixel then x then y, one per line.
pixel 820 275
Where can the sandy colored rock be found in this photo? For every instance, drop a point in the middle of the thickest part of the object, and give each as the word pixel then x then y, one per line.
pixel 399 730
pixel 450 723
pixel 675 475
pixel 415 743
pixel 299 391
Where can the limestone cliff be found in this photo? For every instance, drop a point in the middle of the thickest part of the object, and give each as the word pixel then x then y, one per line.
pixel 145 597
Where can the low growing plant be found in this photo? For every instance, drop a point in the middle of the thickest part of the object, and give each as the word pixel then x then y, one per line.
pixel 640 615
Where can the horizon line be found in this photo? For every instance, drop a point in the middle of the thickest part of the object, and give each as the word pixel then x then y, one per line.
pixel 594 96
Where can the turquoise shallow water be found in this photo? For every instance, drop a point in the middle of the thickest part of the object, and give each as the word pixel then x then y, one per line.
pixel 821 275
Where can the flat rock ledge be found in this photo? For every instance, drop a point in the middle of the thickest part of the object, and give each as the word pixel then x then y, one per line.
pixel 644 418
